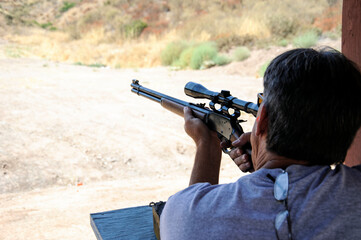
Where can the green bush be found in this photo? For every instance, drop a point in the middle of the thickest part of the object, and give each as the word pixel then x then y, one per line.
pixel 97 65
pixel 172 53
pixel 241 53
pixel 94 65
pixel 306 40
pixel 66 6
pixel 203 52
pixel 48 26
pixel 282 43
pixel 203 56
pixel 263 68
pixel 221 60
pixel 134 28
pixel 185 57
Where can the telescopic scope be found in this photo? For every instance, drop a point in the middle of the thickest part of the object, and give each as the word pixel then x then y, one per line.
pixel 224 98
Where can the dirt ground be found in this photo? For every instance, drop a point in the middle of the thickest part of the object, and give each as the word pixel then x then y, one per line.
pixel 74 140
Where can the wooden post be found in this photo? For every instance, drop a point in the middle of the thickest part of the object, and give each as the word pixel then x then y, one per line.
pixel 351 48
pixel 351 30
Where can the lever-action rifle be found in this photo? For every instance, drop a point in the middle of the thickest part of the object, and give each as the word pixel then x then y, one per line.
pixel 221 120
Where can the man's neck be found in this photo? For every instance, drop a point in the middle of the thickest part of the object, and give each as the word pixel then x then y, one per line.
pixel 267 159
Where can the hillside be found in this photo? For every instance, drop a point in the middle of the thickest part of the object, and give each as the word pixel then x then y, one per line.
pixel 123 34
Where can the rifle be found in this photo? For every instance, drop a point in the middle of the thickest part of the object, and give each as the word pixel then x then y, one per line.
pixel 223 120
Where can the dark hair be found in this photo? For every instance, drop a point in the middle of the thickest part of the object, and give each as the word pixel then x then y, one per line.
pixel 313 103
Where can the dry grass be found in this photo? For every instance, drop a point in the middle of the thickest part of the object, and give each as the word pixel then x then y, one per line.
pixel 93 31
pixel 90 50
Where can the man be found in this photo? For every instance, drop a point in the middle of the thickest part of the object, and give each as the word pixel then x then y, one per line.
pixel 307 121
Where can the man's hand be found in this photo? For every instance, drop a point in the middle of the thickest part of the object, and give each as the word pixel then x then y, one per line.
pixel 239 155
pixel 208 155
pixel 197 130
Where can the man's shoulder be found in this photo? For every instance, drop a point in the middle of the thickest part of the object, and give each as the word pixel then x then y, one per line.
pixel 357 168
pixel 300 172
pixel 205 195
pixel 208 211
pixel 244 182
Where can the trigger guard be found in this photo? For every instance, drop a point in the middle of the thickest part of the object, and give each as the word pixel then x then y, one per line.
pixel 227 150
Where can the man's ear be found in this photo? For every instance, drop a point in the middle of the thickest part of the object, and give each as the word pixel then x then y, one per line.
pixel 261 121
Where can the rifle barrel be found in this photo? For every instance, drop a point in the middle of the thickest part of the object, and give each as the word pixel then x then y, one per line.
pixel 154 95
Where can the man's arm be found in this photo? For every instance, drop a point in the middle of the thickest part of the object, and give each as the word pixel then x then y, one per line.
pixel 353 156
pixel 208 154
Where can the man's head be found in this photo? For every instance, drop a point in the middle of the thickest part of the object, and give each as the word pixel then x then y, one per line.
pixel 313 104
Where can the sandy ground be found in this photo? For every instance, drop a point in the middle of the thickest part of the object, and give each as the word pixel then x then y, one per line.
pixel 74 140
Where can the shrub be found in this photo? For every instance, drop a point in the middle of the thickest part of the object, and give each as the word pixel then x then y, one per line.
pixel 204 56
pixel 203 52
pixel 306 40
pixel 263 68
pixel 282 26
pixel 207 64
pixel 94 65
pixel 66 6
pixel 282 43
pixel 48 26
pixel 221 60
pixel 172 53
pixel 241 53
pixel 14 52
pixel 97 65
pixel 185 57
pixel 134 28
pixel 225 43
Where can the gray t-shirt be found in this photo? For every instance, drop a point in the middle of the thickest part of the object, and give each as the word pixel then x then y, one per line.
pixel 314 202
